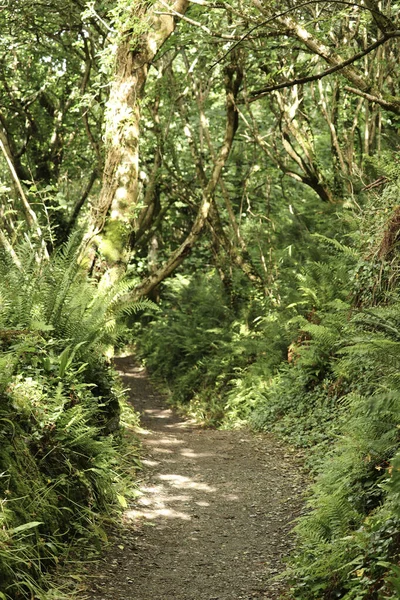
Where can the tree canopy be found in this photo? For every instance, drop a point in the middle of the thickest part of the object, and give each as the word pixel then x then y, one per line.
pixel 158 123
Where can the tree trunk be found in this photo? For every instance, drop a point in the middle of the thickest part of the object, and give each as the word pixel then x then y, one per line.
pixel 120 177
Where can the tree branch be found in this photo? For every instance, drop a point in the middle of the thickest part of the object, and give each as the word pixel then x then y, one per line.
pixel 257 94
pixel 77 208
pixel 283 14
pixel 392 105
pixel 30 215
pixel 232 85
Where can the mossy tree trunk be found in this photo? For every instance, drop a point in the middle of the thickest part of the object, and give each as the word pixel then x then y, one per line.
pixel 135 52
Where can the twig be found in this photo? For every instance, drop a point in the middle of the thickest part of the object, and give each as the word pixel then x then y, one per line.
pixel 300 80
pixel 282 14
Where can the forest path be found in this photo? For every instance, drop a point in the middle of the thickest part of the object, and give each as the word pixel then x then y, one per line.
pixel 214 513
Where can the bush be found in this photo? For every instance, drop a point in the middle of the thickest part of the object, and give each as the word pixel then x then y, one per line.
pixel 59 415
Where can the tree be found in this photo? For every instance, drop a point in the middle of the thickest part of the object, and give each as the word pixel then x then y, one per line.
pixel 50 125
pixel 135 49
pixel 317 98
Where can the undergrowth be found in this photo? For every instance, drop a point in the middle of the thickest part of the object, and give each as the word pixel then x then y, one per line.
pixel 61 443
pixel 197 347
pixel 321 371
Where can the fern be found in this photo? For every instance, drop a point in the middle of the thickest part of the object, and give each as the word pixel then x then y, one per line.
pixel 58 295
pixel 58 393
pixel 347 251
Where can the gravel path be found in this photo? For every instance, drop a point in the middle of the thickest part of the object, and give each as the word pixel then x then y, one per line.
pixel 213 518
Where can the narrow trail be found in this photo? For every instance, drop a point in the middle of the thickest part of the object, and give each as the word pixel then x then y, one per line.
pixel 214 515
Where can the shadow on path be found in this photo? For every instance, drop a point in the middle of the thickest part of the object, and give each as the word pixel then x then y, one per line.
pixel 213 515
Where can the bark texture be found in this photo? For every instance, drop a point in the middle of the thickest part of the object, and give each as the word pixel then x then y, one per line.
pixel 119 191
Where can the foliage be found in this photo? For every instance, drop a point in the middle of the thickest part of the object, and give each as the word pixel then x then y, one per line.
pixel 337 394
pixel 190 363
pixel 284 314
pixel 59 416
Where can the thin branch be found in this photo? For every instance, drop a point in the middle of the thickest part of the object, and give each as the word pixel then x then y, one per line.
pixel 85 112
pixel 30 215
pixel 99 18
pixel 255 95
pixel 94 175
pixel 174 13
pixel 393 105
pixel 282 14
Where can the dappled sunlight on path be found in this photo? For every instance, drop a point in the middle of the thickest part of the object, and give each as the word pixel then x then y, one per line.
pixel 212 515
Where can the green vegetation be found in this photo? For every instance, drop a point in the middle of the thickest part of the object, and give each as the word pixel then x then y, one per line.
pixel 236 163
pixel 321 372
pixel 59 417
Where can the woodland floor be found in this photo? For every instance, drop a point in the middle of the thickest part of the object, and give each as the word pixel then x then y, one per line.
pixel 213 518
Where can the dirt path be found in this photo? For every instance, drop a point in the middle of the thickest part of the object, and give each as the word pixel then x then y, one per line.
pixel 214 513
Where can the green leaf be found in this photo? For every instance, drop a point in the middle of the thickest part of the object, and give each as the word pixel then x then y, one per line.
pixel 64 361
pixel 41 326
pixel 122 501
pixel 26 526
pixel 67 356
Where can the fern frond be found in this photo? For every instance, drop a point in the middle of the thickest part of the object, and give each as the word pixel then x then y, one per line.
pixel 347 250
